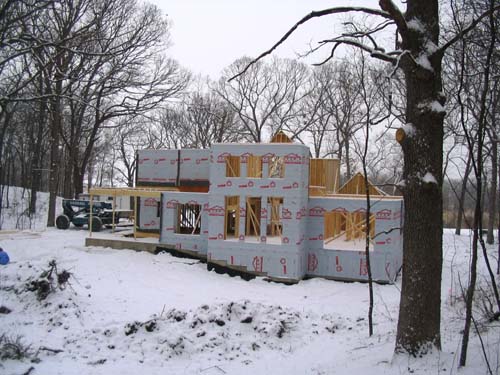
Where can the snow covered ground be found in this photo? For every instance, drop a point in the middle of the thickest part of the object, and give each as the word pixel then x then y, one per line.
pixel 126 312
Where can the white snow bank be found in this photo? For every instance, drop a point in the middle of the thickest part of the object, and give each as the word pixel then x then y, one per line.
pixel 190 321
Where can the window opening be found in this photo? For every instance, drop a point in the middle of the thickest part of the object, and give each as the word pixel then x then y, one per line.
pixel 232 217
pixel 253 214
pixel 232 166
pixel 276 167
pixel 254 166
pixel 274 225
pixel 188 218
pixel 347 230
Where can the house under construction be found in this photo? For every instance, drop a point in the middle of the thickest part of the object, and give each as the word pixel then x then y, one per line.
pixel 268 209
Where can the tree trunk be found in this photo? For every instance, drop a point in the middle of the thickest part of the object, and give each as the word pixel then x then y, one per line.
pixel 36 173
pixel 420 306
pixel 347 160
pixel 54 166
pixel 55 129
pixel 492 201
pixel 461 200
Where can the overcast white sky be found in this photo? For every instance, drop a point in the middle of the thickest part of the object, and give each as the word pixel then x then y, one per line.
pixel 208 35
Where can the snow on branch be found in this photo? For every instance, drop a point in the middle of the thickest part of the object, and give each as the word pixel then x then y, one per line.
pixel 316 14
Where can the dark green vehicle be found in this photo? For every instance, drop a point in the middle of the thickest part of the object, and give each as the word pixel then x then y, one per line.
pixel 78 212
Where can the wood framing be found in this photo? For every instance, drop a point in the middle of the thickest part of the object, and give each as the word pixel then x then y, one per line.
pixel 280 137
pixel 188 218
pixel 254 166
pixel 233 166
pixel 274 227
pixel 324 176
pixel 276 167
pixel 232 217
pixel 350 225
pixel 253 209
pixel 356 185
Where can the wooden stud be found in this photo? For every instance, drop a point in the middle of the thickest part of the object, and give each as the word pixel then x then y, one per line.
pixel 324 176
pixel 232 166
pixel 352 225
pixel 254 166
pixel 253 223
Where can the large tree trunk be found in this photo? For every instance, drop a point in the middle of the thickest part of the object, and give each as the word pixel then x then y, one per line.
pixel 420 306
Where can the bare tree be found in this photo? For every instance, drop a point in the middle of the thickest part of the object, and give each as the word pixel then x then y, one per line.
pixel 265 99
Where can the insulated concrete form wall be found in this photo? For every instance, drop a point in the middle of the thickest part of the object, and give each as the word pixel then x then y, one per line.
pixel 194 167
pixel 157 167
pixel 149 214
pixel 191 242
pixel 300 250
pixel 284 259
pixel 386 256
pixel 172 167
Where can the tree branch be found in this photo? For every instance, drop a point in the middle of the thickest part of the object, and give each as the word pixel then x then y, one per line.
pixel 396 15
pixel 374 52
pixel 465 31
pixel 310 16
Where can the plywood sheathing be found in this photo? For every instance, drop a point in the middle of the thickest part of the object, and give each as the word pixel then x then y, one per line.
pixel 324 176
pixel 356 185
